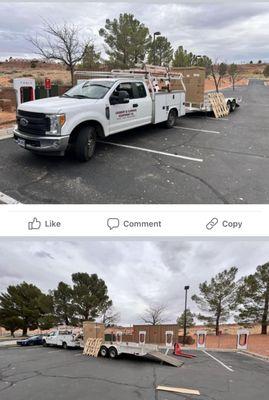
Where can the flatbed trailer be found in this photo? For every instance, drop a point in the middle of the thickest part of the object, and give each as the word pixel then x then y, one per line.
pixel 206 106
pixel 115 349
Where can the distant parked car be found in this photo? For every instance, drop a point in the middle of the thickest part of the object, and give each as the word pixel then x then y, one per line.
pixel 31 341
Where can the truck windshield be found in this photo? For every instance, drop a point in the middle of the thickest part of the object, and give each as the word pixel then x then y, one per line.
pixel 89 90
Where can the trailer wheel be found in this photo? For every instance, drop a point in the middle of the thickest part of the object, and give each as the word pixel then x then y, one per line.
pixel 112 352
pixel 233 106
pixel 172 119
pixel 64 345
pixel 85 143
pixel 103 351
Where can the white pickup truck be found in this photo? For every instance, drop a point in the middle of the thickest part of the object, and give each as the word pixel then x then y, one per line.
pixel 94 109
pixel 64 339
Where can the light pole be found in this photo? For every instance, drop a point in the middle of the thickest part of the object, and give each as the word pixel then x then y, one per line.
pixel 186 288
pixel 154 50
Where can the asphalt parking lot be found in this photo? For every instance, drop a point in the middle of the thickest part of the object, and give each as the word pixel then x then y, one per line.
pixel 205 161
pixel 49 374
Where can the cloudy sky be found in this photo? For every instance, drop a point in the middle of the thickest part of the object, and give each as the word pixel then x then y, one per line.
pixel 137 273
pixel 228 31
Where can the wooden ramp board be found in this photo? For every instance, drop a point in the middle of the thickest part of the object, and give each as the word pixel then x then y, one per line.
pixel 92 347
pixel 178 390
pixel 218 103
pixel 167 359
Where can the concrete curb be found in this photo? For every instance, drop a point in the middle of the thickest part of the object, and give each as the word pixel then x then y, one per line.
pixel 256 355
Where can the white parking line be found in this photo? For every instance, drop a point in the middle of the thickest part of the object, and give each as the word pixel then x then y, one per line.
pixel 54 351
pixel 220 362
pixel 153 151
pixel 196 130
pixel 78 355
pixel 7 199
pixel 218 119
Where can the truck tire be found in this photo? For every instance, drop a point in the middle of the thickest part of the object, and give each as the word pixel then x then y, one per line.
pixel 112 352
pixel 103 352
pixel 85 143
pixel 64 345
pixel 231 106
pixel 172 119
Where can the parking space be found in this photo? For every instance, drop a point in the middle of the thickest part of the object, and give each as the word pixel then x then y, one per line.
pixel 59 374
pixel 201 160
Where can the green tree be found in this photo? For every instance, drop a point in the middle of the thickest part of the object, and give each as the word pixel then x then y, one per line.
pixel 218 297
pixel 266 71
pixel 26 304
pixel 233 72
pixel 184 59
pixel 163 51
pixel 63 303
pixel 127 40
pixel 10 321
pixel 90 296
pixel 189 319
pixel 254 298
pixel 91 58
pixel 205 62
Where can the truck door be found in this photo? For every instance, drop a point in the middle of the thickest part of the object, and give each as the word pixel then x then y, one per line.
pixel 132 114
pixel 143 104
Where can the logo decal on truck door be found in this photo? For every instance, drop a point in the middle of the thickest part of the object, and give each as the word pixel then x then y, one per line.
pixel 124 114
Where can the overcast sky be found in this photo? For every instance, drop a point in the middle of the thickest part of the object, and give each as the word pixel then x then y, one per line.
pixel 227 31
pixel 137 273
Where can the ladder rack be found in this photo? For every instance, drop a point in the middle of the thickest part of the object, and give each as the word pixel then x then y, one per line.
pixel 129 74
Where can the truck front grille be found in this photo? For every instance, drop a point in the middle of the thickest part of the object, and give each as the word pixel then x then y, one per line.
pixel 33 123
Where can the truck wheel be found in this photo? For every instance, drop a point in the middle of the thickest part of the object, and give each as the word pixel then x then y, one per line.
pixel 103 351
pixel 85 143
pixel 45 344
pixel 64 345
pixel 171 120
pixel 112 352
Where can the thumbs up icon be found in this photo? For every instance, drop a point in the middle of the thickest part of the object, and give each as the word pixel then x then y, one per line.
pixel 35 224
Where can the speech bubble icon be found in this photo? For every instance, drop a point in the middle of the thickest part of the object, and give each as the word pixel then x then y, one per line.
pixel 113 223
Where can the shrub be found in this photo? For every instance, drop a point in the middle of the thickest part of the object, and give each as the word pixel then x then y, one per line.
pixel 266 71
pixel 34 63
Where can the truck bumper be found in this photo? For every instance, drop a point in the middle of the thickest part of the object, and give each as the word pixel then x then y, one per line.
pixel 41 144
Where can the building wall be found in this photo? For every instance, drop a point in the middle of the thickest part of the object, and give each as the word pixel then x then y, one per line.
pixel 155 334
pixel 7 93
pixel 230 329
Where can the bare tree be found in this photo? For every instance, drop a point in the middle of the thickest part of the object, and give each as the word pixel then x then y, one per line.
pixel 110 317
pixel 233 72
pixel 154 315
pixel 61 43
pixel 218 71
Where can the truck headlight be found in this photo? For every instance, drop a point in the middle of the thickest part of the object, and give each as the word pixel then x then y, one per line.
pixel 56 123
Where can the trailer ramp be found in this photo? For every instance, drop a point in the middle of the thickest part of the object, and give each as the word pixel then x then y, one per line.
pixel 165 358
